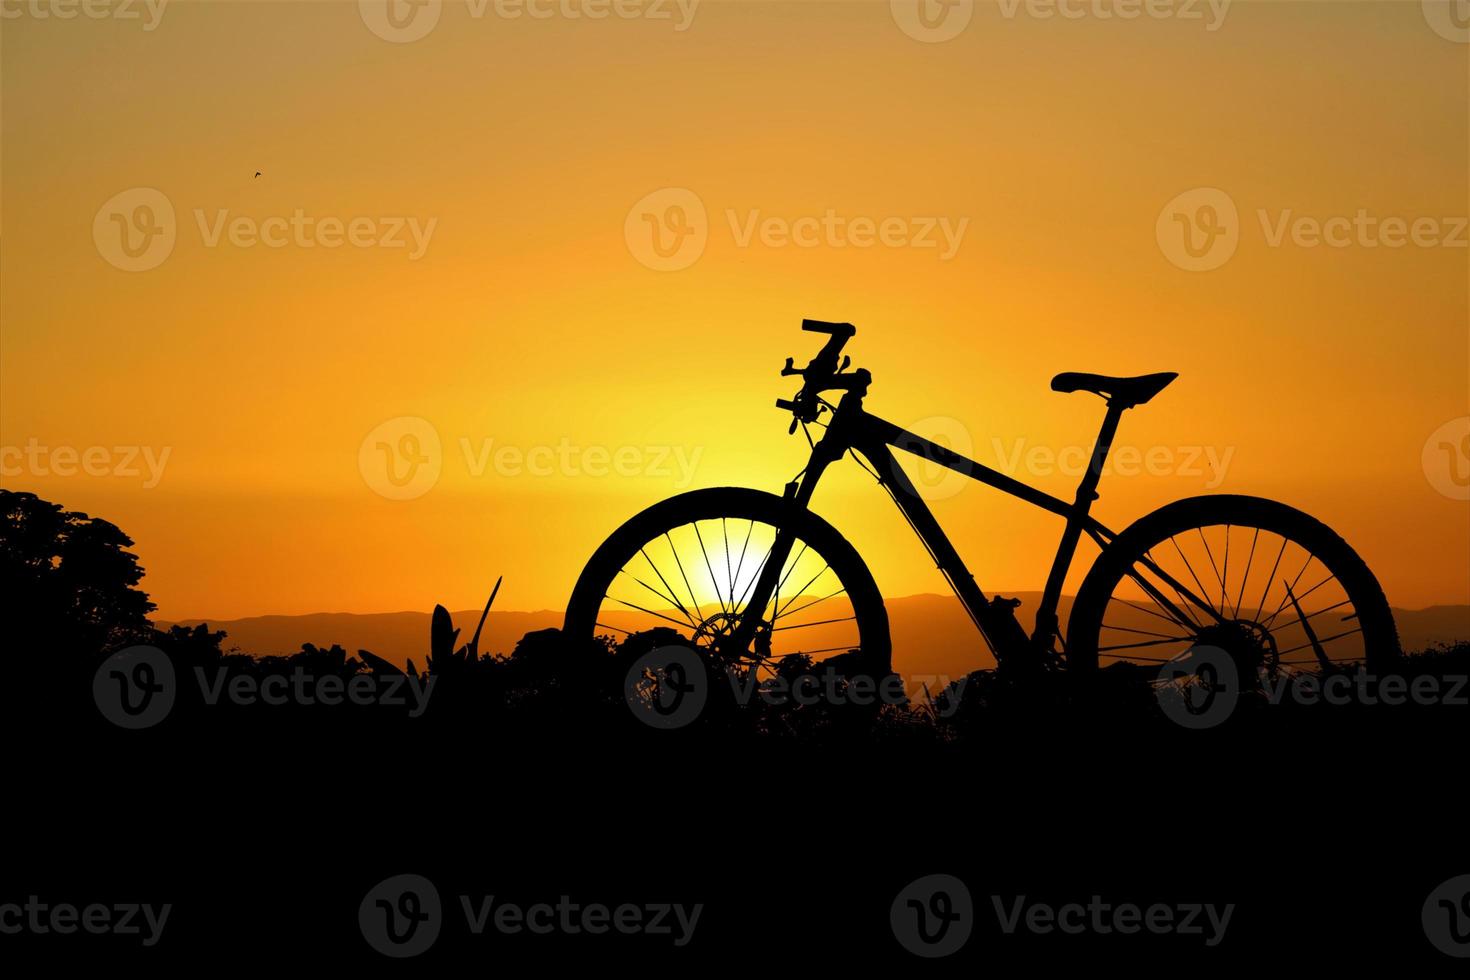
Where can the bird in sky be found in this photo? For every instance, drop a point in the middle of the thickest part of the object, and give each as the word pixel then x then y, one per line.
pixel 257 173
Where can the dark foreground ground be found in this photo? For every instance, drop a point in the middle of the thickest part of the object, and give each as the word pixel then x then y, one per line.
pixel 269 829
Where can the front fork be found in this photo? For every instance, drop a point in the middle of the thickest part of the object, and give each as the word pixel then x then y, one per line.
pixel 747 634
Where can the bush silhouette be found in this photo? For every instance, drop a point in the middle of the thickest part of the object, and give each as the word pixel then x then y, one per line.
pixel 75 587
pixel 71 578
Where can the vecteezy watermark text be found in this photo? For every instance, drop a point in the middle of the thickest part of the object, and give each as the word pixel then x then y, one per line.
pixel 138 687
pixel 1097 917
pixel 1205 687
pixel 402 916
pixel 40 918
pixel 149 12
pixel 1200 230
pixel 136 230
pixel 668 229
pixel 405 21
pixel 119 462
pixel 669 686
pixel 1187 461
pixel 403 458
pixel 933 916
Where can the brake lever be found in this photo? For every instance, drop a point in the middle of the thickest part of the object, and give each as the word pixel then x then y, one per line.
pixel 791 368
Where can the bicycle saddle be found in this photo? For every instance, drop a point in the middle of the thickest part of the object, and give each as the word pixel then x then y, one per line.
pixel 1124 392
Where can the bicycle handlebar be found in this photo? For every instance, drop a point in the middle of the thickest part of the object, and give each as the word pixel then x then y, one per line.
pixel 822 373
pixel 822 326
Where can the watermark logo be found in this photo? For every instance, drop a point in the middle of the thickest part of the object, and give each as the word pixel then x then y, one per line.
pixel 401 916
pixel 400 21
pixel 1446 917
pixel 932 480
pixel 1199 230
pixel 667 687
pixel 933 916
pixel 135 688
pixel 136 230
pixel 932 21
pixel 405 21
pixel 667 230
pixel 1199 690
pixel 402 458
pixel 1450 19
pixel 1446 458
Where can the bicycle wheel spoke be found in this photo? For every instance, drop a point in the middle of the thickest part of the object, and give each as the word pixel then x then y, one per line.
pixel 709 568
pixel 1145 643
pixel 1246 577
pixel 820 622
pixel 812 603
pixel 1300 596
pixel 641 609
pixel 729 574
pixel 756 578
pixel 1157 615
pixel 799 592
pixel 791 568
pixel 1261 606
pixel 1314 615
pixel 614 628
pixel 740 564
pixel 1225 575
pixel 692 598
pixel 656 592
pixel 1325 640
pixel 1125 629
pixel 665 581
pixel 1216 568
pixel 1287 598
pixel 1339 660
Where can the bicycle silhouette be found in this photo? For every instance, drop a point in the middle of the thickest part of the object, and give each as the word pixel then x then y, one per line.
pixel 716 563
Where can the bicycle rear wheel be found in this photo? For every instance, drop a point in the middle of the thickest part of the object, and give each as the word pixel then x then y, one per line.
pixel 1276 589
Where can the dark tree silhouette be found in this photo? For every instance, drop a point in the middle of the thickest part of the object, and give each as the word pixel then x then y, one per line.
pixel 70 578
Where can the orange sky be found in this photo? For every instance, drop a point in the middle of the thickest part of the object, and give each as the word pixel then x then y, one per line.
pixel 526 314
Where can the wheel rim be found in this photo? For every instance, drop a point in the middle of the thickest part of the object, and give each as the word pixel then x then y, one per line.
pixel 1272 603
pixel 696 579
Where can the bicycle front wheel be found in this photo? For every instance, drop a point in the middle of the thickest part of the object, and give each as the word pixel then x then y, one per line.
pixel 690 563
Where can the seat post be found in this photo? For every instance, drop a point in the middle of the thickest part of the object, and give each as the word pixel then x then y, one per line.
pixel 1087 489
pixel 1046 617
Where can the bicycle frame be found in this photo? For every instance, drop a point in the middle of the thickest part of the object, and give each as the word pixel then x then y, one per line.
pixel 853 429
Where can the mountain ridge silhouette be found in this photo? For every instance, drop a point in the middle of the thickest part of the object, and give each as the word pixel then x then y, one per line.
pixel 931 632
